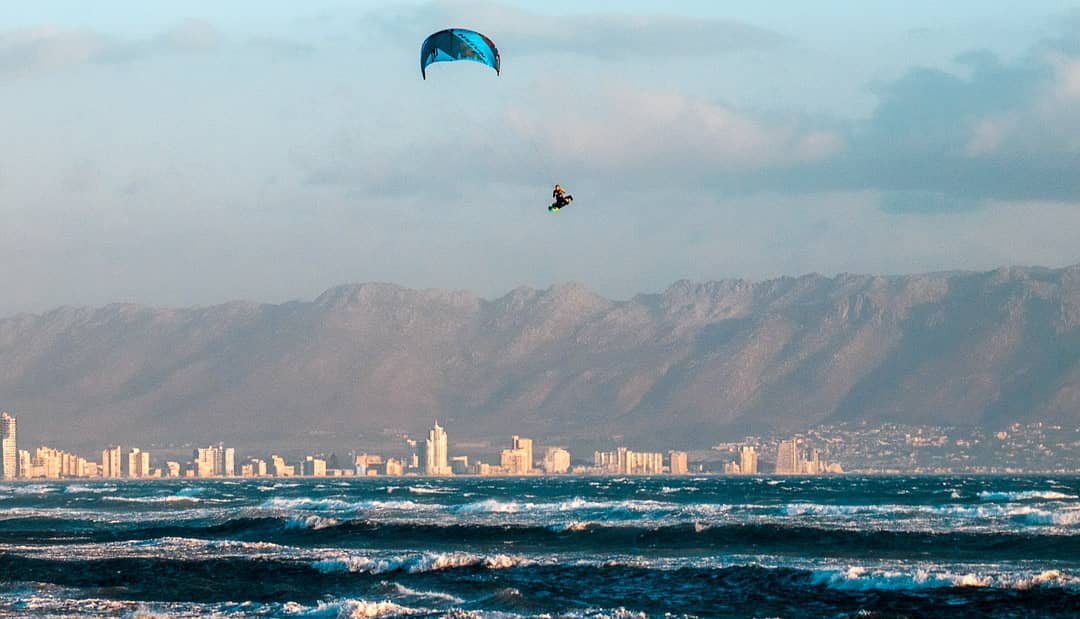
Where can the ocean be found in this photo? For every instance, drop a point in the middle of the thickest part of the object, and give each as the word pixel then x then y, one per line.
pixel 841 546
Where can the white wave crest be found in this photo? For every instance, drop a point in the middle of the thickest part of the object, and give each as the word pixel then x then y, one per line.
pixel 351 609
pixel 338 505
pixel 494 506
pixel 313 523
pixel 416 564
pixel 429 490
pixel 1041 517
pixel 1027 495
pixel 401 590
pixel 172 498
pixel 858 578
pixel 80 488
pixel 33 489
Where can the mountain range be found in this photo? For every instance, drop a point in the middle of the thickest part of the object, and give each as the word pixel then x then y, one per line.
pixel 692 365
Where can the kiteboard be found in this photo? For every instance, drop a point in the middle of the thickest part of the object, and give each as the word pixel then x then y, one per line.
pixel 555 208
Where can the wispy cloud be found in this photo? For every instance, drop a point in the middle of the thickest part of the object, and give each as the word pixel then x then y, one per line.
pixel 603 36
pixel 31 51
pixel 281 48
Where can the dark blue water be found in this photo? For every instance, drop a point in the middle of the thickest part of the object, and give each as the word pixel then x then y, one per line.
pixel 577 547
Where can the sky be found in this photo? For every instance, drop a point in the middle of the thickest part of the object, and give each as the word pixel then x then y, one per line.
pixel 190 153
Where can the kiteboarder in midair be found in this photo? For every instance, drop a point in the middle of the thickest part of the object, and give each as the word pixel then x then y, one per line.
pixel 561 199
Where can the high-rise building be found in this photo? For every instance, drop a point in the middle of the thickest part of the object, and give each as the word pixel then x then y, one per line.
pixel 646 463
pixel 513 462
pixel 748 460
pixel 172 469
pixel 229 470
pixel 394 467
pixel 624 461
pixel 526 446
pixel 24 463
pixel 280 468
pixel 313 467
pixel 435 457
pixel 788 459
pixel 214 461
pixel 110 462
pixel 677 461
pixel 556 460
pixel 206 463
pixel 9 451
pixel 138 463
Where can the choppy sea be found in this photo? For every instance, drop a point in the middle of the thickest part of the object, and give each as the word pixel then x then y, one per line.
pixel 544 547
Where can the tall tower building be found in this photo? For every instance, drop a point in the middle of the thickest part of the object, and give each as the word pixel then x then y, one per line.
pixel 134 468
pixel 526 446
pixel 436 461
pixel 230 462
pixel 748 460
pixel 110 462
pixel 787 458
pixel 9 453
pixel 678 462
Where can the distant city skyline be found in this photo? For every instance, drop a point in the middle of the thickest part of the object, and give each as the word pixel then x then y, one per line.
pixel 812 453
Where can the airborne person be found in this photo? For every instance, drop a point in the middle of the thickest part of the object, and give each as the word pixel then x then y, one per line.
pixel 561 199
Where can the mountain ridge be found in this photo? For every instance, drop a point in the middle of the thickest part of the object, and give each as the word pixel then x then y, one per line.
pixel 695 363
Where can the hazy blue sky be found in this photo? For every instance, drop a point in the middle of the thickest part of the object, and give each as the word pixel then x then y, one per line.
pixel 192 152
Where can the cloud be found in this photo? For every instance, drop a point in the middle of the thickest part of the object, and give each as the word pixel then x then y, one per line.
pixel 32 51
pixel 603 36
pixel 35 50
pixel 281 48
pixel 954 140
pixel 615 132
pixel 619 127
pixel 924 202
pixel 190 35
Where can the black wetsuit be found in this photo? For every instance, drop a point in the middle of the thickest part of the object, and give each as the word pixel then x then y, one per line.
pixel 561 198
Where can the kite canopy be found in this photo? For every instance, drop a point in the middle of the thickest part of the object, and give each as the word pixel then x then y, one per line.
pixel 458 44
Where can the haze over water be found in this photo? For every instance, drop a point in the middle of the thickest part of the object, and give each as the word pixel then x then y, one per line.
pixel 528 547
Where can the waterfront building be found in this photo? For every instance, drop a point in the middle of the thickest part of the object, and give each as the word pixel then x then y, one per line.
pixel 789 458
pixel 365 463
pixel 677 463
pixel 172 469
pixel 24 463
pixel 624 461
pixel 229 456
pixel 110 462
pixel 459 465
pixel 9 451
pixel 518 459
pixel 138 463
pixel 526 447
pixel 748 460
pixel 314 467
pixel 394 467
pixel 556 461
pixel 435 455
pixel 280 468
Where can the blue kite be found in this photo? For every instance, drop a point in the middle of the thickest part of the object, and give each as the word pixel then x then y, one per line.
pixel 458 44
